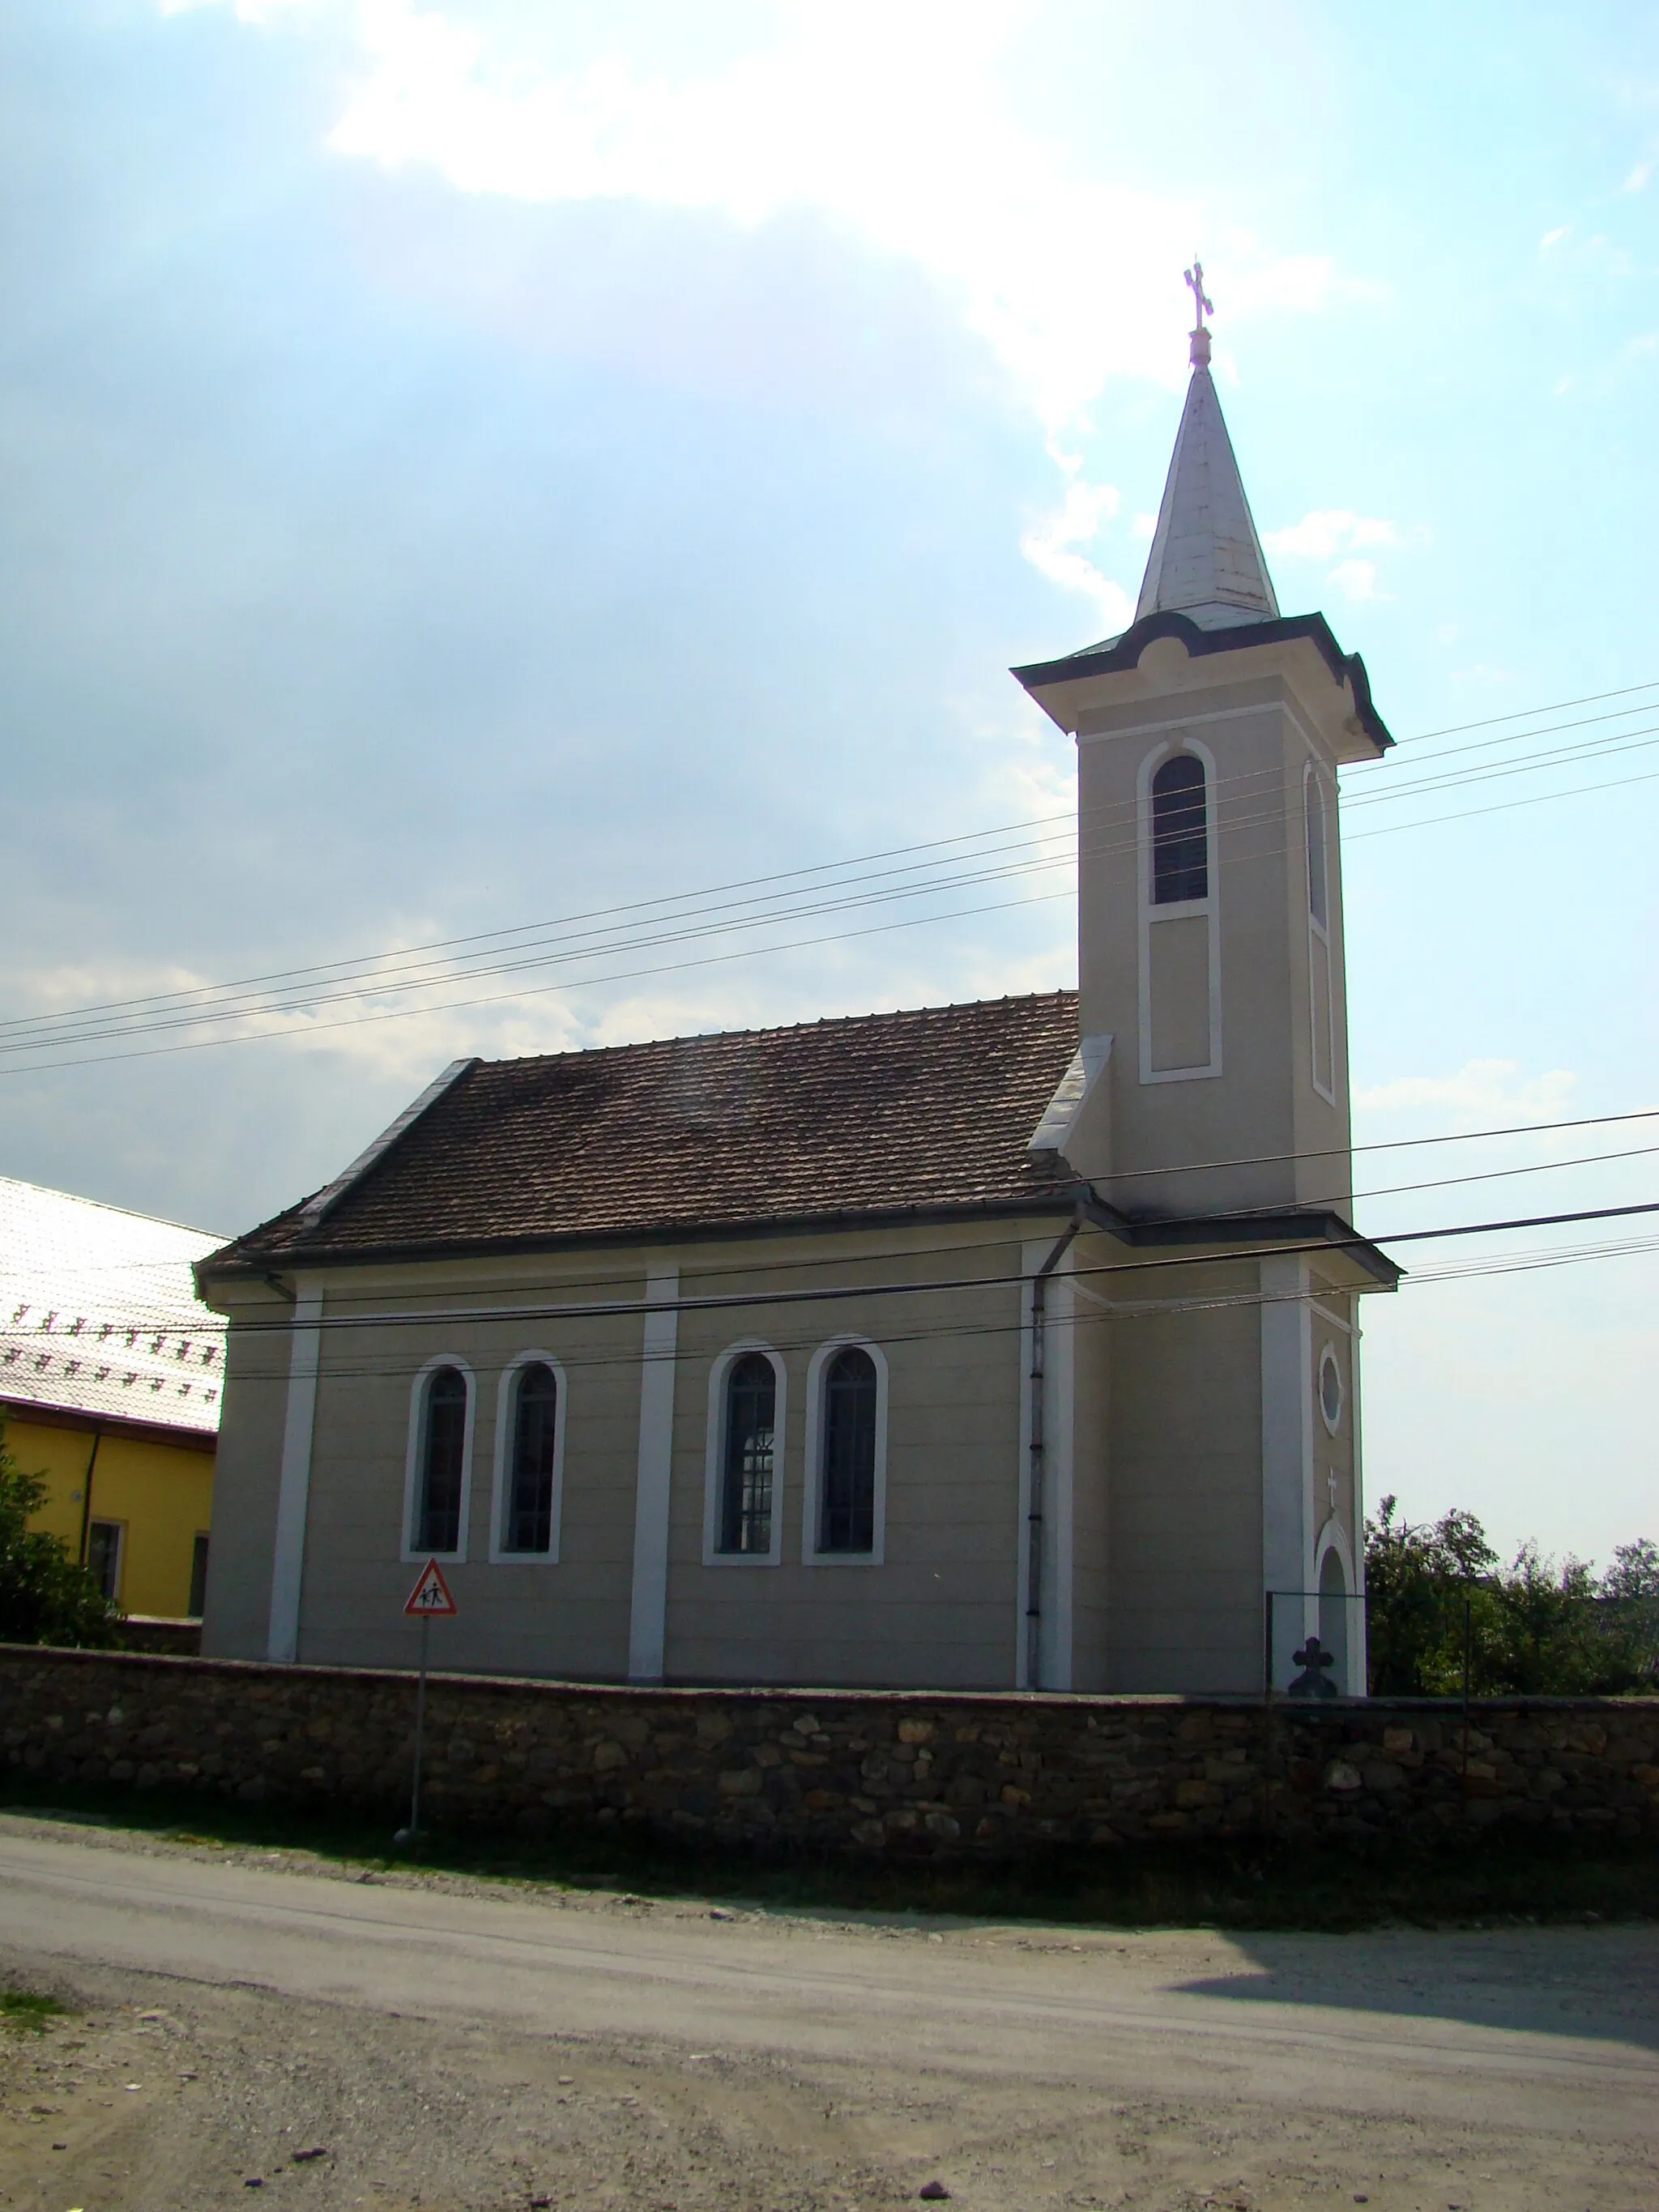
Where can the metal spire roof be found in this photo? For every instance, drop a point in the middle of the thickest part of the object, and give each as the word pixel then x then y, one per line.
pixel 1207 560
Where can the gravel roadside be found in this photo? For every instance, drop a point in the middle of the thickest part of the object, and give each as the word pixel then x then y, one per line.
pixel 155 2093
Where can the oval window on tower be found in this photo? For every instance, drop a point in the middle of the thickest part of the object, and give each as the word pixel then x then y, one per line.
pixel 1330 1389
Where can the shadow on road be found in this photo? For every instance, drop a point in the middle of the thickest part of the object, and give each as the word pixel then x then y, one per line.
pixel 1590 1983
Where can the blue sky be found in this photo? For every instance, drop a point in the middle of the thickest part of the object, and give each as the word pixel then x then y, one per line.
pixel 480 464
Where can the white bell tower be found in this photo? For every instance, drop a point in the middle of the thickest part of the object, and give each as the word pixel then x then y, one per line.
pixel 1210 884
pixel 1209 1105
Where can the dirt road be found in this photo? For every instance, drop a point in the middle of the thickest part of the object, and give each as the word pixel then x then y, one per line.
pixel 453 2044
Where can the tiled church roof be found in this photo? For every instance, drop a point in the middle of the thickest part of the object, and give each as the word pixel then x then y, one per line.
pixel 876 1115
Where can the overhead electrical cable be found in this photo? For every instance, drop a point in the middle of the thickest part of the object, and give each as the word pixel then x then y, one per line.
pixel 372 965
pixel 746 952
pixel 821 1293
pixel 40 1041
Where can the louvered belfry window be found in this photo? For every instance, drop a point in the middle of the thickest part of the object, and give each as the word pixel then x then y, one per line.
pixel 535 1438
pixel 442 1448
pixel 1181 842
pixel 846 1512
pixel 751 1393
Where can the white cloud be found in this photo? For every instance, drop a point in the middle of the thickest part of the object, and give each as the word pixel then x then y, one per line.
pixel 1554 237
pixel 1482 1093
pixel 1637 180
pixel 1357 580
pixel 1327 530
pixel 246 11
pixel 1144 526
pixel 889 122
pixel 1050 545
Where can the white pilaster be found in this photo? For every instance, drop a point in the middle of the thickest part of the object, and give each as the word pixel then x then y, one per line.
pixel 648 1620
pixel 1359 1648
pixel 1287 1525
pixel 294 1484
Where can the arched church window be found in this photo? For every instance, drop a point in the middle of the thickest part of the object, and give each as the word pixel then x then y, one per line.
pixel 846 1495
pixel 746 1521
pixel 1181 842
pixel 1318 895
pixel 443 1446
pixel 535 1443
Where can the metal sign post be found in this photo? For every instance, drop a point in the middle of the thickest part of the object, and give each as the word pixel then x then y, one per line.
pixel 431 1594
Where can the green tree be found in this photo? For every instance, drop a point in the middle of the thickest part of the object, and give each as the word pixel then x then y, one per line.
pixel 1417 1577
pixel 1634 1573
pixel 46 1596
pixel 1533 1628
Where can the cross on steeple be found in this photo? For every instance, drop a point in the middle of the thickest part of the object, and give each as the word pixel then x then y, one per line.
pixel 1194 277
pixel 1199 347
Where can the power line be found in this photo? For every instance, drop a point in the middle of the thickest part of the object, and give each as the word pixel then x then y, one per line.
pixel 1520 714
pixel 1115 1309
pixel 34 1028
pixel 1190 1168
pixel 71 1026
pixel 822 1293
pixel 313 1028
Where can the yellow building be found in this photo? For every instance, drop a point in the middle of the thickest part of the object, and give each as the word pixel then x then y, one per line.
pixel 109 1384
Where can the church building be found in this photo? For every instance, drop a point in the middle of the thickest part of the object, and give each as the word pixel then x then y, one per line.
pixel 1005 1345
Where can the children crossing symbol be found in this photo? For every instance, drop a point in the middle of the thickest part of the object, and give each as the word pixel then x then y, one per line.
pixel 431 1596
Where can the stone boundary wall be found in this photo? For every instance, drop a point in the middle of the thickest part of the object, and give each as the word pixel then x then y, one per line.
pixel 904 1773
pixel 156 1632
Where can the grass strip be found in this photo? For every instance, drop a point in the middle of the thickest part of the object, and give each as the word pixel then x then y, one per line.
pixel 25 2012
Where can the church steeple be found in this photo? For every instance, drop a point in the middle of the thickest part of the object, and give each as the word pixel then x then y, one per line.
pixel 1207 560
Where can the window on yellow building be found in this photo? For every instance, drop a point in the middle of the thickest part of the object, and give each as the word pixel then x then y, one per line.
pixel 104 1545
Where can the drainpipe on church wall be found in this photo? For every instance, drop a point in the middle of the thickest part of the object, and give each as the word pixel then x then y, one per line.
pixel 1037 1449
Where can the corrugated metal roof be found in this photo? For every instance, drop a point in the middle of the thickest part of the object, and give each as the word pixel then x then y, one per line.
pixel 98 1313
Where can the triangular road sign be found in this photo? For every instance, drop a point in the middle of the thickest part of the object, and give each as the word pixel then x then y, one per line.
pixel 431 1594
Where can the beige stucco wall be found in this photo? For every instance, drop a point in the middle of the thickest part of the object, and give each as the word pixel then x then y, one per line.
pixel 1159 1436
pixel 1186 1491
pixel 1092 1455
pixel 940 1609
pixel 568 1618
pixel 1259 732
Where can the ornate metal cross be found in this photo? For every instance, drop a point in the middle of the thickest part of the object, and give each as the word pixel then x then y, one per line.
pixel 1194 277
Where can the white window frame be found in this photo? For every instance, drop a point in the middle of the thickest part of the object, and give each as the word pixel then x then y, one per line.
pixel 1320 932
pixel 1327 1355
pixel 1178 910
pixel 714 1459
pixel 108 1521
pixel 506 1438
pixel 817 1370
pixel 413 1455
pixel 1333 1537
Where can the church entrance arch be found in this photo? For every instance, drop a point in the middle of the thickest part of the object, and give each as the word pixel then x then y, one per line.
pixel 1334 1607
